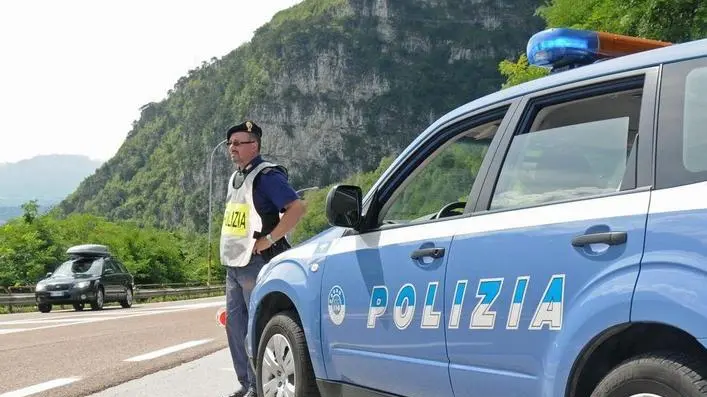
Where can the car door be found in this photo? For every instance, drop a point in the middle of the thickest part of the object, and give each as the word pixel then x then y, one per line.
pixel 111 279
pixel 121 279
pixel 551 255
pixel 383 289
pixel 675 236
pixel 126 280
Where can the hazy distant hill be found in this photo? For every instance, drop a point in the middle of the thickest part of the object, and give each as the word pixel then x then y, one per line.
pixel 48 179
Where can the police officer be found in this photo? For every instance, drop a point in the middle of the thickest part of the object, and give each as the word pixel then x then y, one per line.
pixel 261 207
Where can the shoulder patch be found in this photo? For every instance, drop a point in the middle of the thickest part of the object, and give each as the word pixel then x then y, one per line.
pixel 280 168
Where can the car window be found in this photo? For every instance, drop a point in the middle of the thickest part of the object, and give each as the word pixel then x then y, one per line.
pixel 81 265
pixel 109 264
pixel 121 267
pixel 445 177
pixel 571 150
pixel 682 136
pixel 695 120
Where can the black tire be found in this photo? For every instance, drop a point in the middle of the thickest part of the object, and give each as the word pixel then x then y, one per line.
pixel 78 306
pixel 285 325
pixel 44 307
pixel 100 300
pixel 664 374
pixel 128 301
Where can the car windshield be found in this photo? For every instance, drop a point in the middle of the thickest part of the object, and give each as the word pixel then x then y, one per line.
pixel 84 265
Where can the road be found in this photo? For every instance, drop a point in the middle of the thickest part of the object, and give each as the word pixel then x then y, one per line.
pixel 210 376
pixel 68 353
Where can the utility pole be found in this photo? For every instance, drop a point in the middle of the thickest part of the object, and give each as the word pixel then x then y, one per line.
pixel 211 169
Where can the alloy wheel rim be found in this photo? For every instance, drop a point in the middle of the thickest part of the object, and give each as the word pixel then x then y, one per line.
pixel 278 368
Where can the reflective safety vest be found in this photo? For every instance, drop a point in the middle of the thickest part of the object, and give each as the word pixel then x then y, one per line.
pixel 241 221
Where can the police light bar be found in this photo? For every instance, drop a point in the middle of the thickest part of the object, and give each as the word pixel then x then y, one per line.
pixel 567 48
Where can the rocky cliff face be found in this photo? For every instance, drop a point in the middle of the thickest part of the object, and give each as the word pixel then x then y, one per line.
pixel 334 84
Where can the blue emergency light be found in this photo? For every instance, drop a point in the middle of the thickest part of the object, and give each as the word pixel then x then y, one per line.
pixel 563 48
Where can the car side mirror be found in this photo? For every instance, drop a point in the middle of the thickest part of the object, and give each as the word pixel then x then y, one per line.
pixel 49 274
pixel 343 206
pixel 108 271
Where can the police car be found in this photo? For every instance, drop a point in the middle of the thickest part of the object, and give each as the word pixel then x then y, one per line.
pixel 549 239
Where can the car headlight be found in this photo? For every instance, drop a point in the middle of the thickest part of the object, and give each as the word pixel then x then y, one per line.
pixel 40 287
pixel 82 284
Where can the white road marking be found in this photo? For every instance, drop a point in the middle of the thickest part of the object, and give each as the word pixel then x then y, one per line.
pixel 12 330
pixel 59 321
pixel 27 391
pixel 196 305
pixel 168 350
pixel 47 321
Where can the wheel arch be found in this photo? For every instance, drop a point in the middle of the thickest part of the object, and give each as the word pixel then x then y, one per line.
pixel 283 298
pixel 621 342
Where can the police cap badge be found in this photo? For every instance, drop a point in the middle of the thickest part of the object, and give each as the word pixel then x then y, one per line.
pixel 247 126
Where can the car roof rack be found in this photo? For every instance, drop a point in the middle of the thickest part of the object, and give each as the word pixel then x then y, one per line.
pixel 89 250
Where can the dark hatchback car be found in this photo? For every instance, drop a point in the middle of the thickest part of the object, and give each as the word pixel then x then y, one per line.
pixel 91 275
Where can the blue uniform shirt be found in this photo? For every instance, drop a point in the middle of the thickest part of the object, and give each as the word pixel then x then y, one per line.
pixel 272 190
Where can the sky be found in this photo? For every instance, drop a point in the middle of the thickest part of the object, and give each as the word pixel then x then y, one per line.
pixel 74 73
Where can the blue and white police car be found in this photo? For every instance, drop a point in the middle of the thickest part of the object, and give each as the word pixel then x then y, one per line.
pixel 549 239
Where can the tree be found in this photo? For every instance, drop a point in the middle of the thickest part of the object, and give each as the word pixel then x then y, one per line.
pixel 520 71
pixel 674 21
pixel 31 210
pixel 667 20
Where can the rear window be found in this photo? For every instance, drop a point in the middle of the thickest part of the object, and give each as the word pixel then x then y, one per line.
pixel 682 124
pixel 694 129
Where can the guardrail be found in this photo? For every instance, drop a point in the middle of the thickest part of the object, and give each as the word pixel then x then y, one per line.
pixel 24 295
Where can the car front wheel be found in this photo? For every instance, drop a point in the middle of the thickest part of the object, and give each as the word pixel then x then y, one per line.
pixel 283 363
pixel 98 303
pixel 662 374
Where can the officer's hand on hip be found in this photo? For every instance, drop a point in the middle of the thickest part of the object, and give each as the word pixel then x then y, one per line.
pixel 261 244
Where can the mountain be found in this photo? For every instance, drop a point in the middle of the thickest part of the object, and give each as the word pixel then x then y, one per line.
pixel 335 85
pixel 47 179
pixel 7 213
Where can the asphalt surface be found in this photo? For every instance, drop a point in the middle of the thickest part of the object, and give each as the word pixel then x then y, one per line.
pixel 72 353
pixel 210 376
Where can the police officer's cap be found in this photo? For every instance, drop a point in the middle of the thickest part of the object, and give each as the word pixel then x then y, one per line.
pixel 247 126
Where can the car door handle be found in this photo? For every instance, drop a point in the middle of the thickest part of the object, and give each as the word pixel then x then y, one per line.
pixel 610 238
pixel 434 252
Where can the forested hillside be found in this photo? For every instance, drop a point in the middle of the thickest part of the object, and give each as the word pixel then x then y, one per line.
pixel 334 112
pixel 335 85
